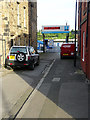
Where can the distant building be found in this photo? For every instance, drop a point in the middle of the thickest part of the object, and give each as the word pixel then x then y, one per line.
pixel 18 24
pixel 84 36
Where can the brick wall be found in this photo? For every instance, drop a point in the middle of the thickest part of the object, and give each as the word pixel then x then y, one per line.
pixel 85 42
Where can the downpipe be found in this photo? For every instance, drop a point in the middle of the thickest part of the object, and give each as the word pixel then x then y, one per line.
pixel 3 40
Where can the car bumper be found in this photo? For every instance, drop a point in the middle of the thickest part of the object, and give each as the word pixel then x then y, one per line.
pixel 18 64
pixel 67 54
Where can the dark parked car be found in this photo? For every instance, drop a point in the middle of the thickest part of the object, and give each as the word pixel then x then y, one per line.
pixel 20 56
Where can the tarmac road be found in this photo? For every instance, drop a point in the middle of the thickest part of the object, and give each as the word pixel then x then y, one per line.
pixel 56 90
pixel 61 93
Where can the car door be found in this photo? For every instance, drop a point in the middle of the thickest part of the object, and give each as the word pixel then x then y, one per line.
pixel 33 55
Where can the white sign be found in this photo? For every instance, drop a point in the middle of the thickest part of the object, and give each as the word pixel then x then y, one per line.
pixel 55 28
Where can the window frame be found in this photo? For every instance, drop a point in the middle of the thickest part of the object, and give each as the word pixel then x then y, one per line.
pixel 83 56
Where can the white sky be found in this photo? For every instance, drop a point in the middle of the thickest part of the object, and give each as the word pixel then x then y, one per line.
pixel 55 12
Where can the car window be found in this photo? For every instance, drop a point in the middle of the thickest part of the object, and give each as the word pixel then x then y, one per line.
pixel 32 50
pixel 18 49
pixel 29 49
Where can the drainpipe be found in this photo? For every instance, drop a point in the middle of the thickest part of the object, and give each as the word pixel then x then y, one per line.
pixel 5 50
pixel 31 5
pixel 87 37
pixel 80 26
pixel 2 48
pixel 87 23
pixel 29 11
pixel 75 33
pixel 0 60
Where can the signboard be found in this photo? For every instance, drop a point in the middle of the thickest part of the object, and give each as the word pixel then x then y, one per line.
pixel 56 29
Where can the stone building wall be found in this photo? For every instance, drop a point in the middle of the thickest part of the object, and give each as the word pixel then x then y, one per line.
pixel 15 26
pixel 33 24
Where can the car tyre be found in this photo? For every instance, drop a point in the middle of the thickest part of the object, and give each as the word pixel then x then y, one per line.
pixel 13 67
pixel 61 57
pixel 23 57
pixel 31 66
pixel 38 61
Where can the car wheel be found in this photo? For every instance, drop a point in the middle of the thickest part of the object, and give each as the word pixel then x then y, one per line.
pixel 13 67
pixel 38 61
pixel 20 57
pixel 32 66
pixel 61 57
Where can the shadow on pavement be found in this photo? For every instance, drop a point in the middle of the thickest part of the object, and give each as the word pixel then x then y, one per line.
pixel 70 93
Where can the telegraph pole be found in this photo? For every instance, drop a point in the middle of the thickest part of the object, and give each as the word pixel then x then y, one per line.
pixel 43 43
pixel 75 34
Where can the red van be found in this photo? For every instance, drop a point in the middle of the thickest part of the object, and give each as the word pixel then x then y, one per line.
pixel 67 49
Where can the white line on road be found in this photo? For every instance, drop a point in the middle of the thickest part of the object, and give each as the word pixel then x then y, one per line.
pixel 21 112
pixel 41 81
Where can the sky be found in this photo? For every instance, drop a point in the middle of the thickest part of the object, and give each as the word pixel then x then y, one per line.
pixel 55 12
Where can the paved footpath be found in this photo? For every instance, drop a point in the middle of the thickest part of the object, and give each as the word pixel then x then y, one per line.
pixel 62 93
pixel 17 85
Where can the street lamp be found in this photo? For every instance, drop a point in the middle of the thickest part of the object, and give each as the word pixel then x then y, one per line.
pixel 75 33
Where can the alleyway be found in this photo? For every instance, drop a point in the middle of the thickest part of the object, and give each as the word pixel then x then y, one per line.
pixel 63 93
pixel 56 90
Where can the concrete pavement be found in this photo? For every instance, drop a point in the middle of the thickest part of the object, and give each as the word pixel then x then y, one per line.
pixel 17 85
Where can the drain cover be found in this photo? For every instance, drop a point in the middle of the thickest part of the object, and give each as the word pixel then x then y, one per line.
pixel 55 79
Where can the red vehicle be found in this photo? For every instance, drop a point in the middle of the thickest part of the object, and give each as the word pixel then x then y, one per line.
pixel 67 49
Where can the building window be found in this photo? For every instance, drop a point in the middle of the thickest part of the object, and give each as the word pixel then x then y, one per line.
pixel 83 46
pixel 24 17
pixel 18 23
